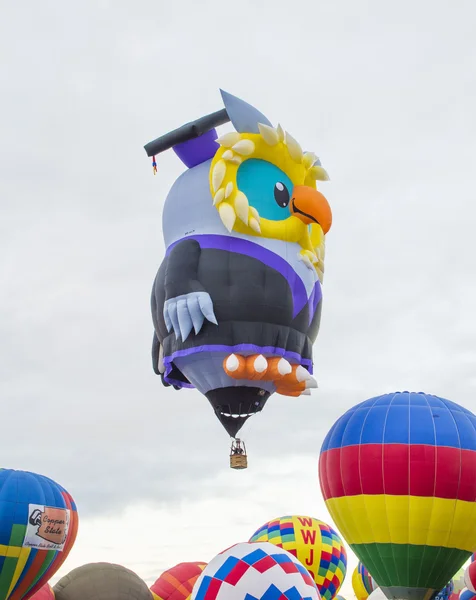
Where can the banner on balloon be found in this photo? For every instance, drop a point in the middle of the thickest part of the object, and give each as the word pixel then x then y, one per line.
pixel 47 527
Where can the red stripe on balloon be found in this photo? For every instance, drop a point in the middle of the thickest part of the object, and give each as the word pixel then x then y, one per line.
pixel 399 469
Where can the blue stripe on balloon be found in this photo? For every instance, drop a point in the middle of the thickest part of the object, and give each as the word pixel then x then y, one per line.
pixel 226 568
pixel 404 418
pixel 204 585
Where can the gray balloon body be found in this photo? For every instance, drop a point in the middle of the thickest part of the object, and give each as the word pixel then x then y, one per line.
pixel 101 581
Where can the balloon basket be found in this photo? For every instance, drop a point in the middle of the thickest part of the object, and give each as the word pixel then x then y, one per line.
pixel 239 461
pixel 238 458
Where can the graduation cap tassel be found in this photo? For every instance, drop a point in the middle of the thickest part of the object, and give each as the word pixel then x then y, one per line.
pixel 154 165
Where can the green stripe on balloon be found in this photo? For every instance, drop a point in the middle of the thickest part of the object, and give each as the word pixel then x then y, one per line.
pixel 17 535
pixel 406 565
pixel 8 569
pixel 46 563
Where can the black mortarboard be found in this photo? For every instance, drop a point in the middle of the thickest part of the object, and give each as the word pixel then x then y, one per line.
pixel 194 142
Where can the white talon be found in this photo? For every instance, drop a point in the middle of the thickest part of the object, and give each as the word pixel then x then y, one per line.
pixel 306 393
pixel 302 374
pixel 260 364
pixel 311 383
pixel 232 363
pixel 284 368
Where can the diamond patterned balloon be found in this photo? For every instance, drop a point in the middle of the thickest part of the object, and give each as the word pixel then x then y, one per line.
pixel 255 571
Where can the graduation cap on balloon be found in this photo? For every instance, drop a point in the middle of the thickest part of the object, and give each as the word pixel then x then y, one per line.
pixel 195 142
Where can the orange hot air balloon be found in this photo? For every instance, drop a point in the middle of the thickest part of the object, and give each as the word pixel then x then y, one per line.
pixel 177 583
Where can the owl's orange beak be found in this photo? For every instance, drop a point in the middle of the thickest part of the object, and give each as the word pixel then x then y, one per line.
pixel 311 206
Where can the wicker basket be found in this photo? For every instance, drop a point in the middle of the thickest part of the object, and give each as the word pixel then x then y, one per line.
pixel 238 461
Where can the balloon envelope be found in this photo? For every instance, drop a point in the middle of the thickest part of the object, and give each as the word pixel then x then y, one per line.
pixel 177 583
pixel 253 571
pixel 236 303
pixel 44 593
pixel 101 581
pixel 362 582
pixel 398 474
pixel 314 543
pixel 38 527
pixel 470 577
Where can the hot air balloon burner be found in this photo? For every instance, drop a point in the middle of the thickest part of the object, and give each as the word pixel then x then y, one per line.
pixel 238 457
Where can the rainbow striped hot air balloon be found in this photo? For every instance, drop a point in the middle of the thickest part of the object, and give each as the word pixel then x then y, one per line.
pixel 177 583
pixel 362 582
pixel 315 544
pixel 398 474
pixel 38 527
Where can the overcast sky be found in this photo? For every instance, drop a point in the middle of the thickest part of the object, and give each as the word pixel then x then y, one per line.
pixel 383 92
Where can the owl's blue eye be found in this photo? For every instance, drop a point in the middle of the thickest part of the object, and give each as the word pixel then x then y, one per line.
pixel 267 188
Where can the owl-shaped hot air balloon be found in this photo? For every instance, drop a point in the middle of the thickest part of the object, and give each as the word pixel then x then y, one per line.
pixel 398 474
pixel 236 303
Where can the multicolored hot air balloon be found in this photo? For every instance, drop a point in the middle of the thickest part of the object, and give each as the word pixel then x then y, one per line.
pixel 446 592
pixel 38 527
pixel 177 583
pixel 315 544
pixel 101 581
pixel 255 571
pixel 362 582
pixel 398 474
pixel 470 577
pixel 236 303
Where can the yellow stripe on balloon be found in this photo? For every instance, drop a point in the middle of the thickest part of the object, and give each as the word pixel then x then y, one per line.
pixel 10 551
pixel 154 595
pixel 415 520
pixel 22 558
